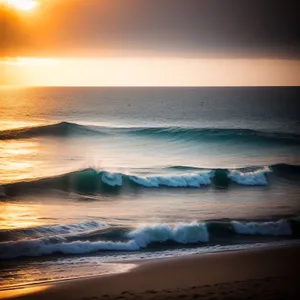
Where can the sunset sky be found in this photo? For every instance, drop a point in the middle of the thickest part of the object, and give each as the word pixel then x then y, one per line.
pixel 143 42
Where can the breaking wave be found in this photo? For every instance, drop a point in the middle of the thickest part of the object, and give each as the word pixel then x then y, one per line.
pixel 280 228
pixel 95 237
pixel 90 181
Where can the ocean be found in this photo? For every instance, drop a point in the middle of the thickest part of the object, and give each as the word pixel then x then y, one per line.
pixel 91 178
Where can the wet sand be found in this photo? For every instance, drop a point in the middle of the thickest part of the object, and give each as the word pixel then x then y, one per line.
pixel 272 273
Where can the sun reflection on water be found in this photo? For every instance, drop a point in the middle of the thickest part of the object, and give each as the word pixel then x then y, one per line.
pixel 17 161
pixel 18 148
pixel 15 215
pixel 8 124
pixel 7 294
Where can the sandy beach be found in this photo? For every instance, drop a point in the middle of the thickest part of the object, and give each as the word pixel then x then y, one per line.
pixel 255 274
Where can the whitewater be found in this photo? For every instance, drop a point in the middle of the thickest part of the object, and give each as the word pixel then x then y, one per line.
pixel 90 177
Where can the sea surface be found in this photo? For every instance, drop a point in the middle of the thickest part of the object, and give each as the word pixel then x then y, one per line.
pixel 91 178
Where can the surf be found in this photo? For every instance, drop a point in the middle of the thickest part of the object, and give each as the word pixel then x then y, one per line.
pixel 93 236
pixel 91 181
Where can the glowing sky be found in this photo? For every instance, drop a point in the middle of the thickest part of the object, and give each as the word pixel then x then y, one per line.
pixel 151 72
pixel 23 5
pixel 149 42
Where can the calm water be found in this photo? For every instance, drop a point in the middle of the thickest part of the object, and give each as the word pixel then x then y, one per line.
pixel 93 175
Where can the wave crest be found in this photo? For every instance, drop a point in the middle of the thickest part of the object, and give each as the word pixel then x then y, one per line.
pixel 90 181
pixel 142 237
pixel 257 177
pixel 279 228
pixel 182 233
pixel 62 129
pixel 65 129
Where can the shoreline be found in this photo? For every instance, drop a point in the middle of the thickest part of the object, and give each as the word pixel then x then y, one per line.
pixel 133 263
pixel 273 269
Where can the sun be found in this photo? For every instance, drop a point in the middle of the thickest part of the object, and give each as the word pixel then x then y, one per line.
pixel 25 5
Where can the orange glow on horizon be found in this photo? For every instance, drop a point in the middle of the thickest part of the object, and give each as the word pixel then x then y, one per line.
pixel 149 71
pixel 29 61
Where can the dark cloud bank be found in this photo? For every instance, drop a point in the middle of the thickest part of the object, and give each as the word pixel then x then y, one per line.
pixel 238 28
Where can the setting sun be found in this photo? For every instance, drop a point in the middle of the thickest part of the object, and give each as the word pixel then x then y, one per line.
pixel 26 5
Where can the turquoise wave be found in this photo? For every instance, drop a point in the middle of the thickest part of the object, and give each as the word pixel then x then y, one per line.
pixel 66 129
pixel 90 181
pixel 91 236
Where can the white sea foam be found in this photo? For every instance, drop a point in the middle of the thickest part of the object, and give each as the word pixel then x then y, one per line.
pixel 181 233
pixel 140 238
pixel 184 180
pixel 112 179
pixel 257 177
pixel 193 179
pixel 279 228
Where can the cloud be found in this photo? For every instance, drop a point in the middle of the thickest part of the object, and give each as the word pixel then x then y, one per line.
pixel 163 27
